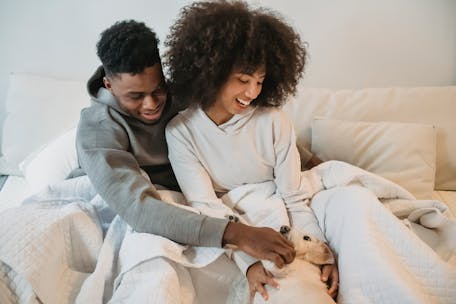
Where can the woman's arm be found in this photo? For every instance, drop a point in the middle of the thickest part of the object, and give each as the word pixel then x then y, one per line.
pixel 196 185
pixel 287 174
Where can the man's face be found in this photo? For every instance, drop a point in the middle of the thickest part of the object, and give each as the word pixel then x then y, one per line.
pixel 142 95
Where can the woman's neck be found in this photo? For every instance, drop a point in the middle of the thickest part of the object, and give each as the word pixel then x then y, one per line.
pixel 218 117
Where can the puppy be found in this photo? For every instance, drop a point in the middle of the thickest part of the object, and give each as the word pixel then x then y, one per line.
pixel 299 281
pixel 308 248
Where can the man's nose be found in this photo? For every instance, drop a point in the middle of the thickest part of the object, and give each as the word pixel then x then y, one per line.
pixel 150 101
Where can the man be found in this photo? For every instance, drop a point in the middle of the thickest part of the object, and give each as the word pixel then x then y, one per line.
pixel 122 132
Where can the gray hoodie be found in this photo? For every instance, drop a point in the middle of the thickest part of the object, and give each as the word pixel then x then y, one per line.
pixel 112 148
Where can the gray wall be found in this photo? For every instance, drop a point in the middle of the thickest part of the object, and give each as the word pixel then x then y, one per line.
pixel 352 43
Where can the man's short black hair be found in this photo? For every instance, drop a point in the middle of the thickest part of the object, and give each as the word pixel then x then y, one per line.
pixel 128 47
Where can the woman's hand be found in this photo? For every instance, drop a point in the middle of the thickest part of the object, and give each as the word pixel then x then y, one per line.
pixel 258 277
pixel 260 242
pixel 330 276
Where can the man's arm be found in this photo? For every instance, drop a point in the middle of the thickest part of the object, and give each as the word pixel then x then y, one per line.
pixel 312 162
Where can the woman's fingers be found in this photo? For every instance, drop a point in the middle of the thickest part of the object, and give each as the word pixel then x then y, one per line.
pixel 330 274
pixel 262 291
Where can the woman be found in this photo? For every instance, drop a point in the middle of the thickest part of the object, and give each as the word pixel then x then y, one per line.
pixel 234 67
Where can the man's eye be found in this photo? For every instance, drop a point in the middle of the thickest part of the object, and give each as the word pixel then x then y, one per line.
pixel 136 97
pixel 306 238
pixel 243 80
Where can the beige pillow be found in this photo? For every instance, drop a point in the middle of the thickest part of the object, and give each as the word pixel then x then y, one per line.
pixel 404 153
pixel 423 105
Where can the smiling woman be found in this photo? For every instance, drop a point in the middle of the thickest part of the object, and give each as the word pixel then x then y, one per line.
pixel 234 132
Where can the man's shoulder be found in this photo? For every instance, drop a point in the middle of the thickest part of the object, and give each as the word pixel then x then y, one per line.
pixel 97 128
pixel 97 119
pixel 95 114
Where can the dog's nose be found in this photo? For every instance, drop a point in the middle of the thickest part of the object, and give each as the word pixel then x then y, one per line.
pixel 233 218
pixel 284 229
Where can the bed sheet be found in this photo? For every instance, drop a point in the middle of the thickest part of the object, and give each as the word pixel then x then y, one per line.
pixel 14 191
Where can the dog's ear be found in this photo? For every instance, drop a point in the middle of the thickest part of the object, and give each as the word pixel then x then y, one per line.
pixel 320 257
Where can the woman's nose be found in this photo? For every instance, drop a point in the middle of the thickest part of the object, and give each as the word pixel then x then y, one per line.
pixel 253 91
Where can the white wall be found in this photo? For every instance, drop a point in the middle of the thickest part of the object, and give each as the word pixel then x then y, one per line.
pixel 352 43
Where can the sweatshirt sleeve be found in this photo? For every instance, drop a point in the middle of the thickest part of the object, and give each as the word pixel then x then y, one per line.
pixel 102 147
pixel 288 176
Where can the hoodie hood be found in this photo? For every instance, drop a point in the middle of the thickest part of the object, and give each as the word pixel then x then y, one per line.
pixel 98 92
pixel 95 82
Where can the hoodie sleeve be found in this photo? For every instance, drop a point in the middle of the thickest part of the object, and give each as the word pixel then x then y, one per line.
pixel 102 147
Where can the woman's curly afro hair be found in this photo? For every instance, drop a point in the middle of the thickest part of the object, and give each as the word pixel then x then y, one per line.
pixel 128 47
pixel 210 39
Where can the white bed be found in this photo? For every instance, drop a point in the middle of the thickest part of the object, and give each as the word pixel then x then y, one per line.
pixel 406 135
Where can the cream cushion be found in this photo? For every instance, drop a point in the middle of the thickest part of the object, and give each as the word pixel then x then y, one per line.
pixel 401 152
pixel 53 163
pixel 424 105
pixel 38 110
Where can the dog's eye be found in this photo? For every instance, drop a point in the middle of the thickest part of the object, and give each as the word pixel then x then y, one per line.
pixel 306 238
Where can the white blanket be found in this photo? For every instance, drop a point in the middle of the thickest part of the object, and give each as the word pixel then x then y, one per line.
pixel 55 241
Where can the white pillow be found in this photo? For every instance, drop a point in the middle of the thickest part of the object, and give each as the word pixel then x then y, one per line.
pixel 404 153
pixel 39 109
pixel 52 164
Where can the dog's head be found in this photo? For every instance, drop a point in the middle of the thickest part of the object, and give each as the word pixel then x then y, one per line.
pixel 308 247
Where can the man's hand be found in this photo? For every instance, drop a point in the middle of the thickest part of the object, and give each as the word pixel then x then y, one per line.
pixel 260 242
pixel 330 276
pixel 257 277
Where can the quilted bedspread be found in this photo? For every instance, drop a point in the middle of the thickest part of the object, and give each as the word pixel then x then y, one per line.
pixel 65 245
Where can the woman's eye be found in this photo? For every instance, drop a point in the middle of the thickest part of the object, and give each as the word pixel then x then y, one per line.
pixel 243 81
pixel 306 238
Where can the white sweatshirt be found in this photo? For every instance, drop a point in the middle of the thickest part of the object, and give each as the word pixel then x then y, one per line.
pixel 255 146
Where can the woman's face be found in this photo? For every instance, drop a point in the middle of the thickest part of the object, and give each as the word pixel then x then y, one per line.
pixel 236 94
